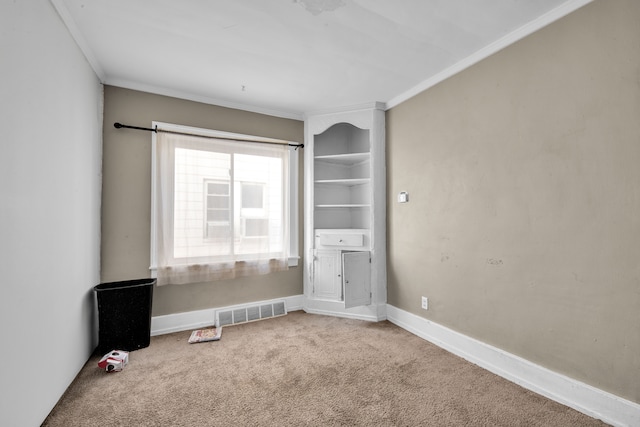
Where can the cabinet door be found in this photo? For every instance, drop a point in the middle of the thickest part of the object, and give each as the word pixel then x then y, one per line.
pixel 327 280
pixel 356 278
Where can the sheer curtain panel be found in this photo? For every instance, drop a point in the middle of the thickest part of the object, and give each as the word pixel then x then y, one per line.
pixel 221 208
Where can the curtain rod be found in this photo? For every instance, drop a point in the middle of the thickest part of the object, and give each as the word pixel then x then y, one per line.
pixel 260 141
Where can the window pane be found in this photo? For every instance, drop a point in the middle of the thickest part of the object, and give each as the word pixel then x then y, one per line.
pixel 218 188
pixel 218 202
pixel 219 215
pixel 214 231
pixel 252 195
pixel 201 203
pixel 255 227
pixel 216 217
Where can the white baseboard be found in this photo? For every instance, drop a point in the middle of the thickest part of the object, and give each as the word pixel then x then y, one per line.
pixel 370 313
pixel 198 319
pixel 356 316
pixel 567 391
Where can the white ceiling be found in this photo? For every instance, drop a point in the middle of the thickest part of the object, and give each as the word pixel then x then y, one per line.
pixel 290 57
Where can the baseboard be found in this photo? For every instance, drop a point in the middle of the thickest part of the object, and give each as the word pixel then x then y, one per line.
pixel 347 315
pixel 370 313
pixel 177 322
pixel 567 391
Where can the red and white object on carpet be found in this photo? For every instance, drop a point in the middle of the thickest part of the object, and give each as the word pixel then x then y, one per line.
pixel 114 361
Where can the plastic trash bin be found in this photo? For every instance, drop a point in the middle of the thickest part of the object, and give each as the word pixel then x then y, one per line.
pixel 124 314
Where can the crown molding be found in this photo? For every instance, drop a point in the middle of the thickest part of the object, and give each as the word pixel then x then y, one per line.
pixel 76 34
pixel 522 32
pixel 127 84
pixel 374 105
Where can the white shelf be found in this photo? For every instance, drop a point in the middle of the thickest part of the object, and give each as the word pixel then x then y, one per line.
pixel 344 159
pixel 352 205
pixel 347 182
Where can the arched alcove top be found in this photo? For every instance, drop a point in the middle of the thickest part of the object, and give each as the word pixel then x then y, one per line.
pixel 362 118
pixel 343 127
pixel 342 138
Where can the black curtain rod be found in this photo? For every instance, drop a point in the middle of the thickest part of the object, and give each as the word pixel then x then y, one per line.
pixel 156 130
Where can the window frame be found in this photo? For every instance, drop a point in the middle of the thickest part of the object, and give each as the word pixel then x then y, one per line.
pixel 294 255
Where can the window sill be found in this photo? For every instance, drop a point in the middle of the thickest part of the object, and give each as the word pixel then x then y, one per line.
pixel 293 262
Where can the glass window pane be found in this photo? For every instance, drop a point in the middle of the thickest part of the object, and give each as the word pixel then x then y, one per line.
pixel 218 231
pixel 255 227
pixel 217 202
pixel 217 188
pixel 252 196
pixel 219 215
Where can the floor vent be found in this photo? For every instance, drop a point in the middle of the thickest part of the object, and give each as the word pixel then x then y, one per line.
pixel 250 313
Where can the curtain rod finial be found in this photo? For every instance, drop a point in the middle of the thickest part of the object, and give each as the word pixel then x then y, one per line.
pixel 117 125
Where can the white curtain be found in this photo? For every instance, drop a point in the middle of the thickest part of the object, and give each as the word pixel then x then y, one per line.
pixel 222 208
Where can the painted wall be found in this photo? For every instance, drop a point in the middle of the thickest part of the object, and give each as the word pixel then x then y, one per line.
pixel 127 197
pixel 523 226
pixel 50 166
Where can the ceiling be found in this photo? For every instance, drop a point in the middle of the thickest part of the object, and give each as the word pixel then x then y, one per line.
pixel 291 57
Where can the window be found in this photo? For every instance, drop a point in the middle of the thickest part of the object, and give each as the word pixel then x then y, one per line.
pixel 252 196
pixel 217 213
pixel 221 208
pixel 254 218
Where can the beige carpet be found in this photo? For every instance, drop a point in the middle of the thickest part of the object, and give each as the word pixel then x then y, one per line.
pixel 302 370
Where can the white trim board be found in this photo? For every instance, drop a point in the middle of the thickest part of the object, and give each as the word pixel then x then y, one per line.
pixel 177 322
pixel 157 90
pixel 346 315
pixel 76 34
pixel 520 33
pixel 567 391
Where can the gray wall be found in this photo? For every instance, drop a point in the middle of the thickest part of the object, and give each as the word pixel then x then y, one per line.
pixel 51 121
pixel 523 226
pixel 127 197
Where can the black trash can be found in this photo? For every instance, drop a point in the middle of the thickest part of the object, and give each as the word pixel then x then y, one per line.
pixel 124 314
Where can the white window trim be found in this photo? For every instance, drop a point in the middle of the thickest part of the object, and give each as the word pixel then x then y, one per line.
pixel 294 255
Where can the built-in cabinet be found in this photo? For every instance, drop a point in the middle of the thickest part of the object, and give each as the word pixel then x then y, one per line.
pixel 345 254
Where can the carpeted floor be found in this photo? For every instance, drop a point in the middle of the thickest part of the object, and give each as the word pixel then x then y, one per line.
pixel 302 370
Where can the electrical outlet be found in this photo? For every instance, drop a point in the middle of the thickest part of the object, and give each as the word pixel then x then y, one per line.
pixel 403 197
pixel 425 303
